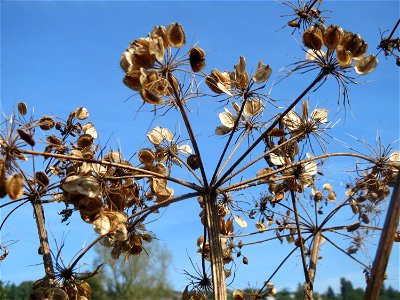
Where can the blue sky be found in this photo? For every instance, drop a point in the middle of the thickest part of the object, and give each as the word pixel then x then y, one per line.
pixel 57 56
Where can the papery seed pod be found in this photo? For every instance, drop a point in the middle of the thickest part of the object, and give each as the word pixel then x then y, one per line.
pixel 102 224
pixel 200 241
pixel 42 178
pixel 161 31
pixel 176 35
pixel 238 294
pixel 332 196
pixel 85 141
pixel 156 47
pixel 327 187
pixel 84 289
pixel 132 81
pixel 366 64
pixel 252 107
pixel 245 260
pixel 46 123
pixel 150 97
pixel 262 73
pixel 355 44
pixel 81 113
pixel 344 56
pixel 332 36
pixel 293 24
pixel 318 196
pixel 364 218
pixel 15 186
pixel 28 138
pixel 193 161
pixel 354 207
pixel 90 207
pixel 88 128
pixel 398 61
pixel 197 59
pixel 22 108
pixel 312 38
pixel 353 227
pixel 146 156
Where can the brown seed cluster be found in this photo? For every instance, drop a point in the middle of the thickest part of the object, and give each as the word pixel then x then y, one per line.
pixel 349 47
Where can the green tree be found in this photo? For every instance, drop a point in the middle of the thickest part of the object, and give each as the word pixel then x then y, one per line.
pixel 329 295
pixel 141 277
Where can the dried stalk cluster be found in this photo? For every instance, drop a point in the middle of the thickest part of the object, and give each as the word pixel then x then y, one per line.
pixel 116 196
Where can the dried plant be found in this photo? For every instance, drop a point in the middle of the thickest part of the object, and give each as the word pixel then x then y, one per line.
pixel 281 163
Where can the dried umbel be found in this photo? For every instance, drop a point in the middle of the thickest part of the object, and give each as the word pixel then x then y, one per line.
pixel 15 186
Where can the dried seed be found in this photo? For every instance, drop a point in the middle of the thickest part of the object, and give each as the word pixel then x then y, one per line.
pixel 176 35
pixel 28 138
pixel 312 38
pixel 197 59
pixel 22 108
pixel 46 123
pixel 15 186
pixel 193 161
pixel 332 36
pixel 366 65
pixel 42 178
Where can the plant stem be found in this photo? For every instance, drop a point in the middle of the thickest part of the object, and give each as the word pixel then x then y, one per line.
pixel 217 265
pixel 303 255
pixel 44 241
pixel 385 245
pixel 312 268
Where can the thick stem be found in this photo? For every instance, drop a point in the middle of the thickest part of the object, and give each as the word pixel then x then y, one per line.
pixel 44 241
pixel 301 243
pixel 217 265
pixel 312 268
pixel 385 245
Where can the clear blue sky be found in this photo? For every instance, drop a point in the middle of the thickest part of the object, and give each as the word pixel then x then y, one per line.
pixel 57 56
